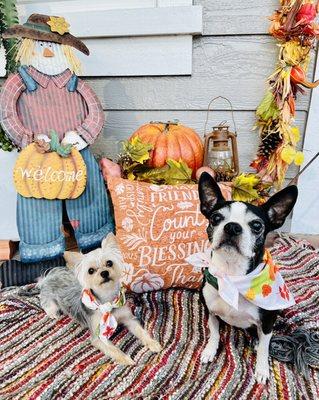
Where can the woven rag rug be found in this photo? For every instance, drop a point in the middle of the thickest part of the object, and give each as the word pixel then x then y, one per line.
pixel 44 359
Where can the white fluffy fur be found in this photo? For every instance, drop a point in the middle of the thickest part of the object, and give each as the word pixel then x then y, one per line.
pixel 61 288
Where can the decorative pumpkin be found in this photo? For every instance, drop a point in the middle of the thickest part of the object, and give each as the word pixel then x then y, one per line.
pixel 171 141
pixel 298 76
pixel 50 171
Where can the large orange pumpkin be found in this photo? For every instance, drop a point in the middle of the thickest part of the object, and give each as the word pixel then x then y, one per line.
pixel 48 175
pixel 172 141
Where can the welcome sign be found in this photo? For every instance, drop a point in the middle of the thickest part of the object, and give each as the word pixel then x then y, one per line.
pixel 49 175
pixel 157 227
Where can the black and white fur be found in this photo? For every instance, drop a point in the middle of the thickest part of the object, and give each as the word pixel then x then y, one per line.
pixel 100 271
pixel 237 232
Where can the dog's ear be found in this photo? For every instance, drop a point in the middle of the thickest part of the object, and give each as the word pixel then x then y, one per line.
pixel 72 258
pixel 109 242
pixel 279 206
pixel 209 194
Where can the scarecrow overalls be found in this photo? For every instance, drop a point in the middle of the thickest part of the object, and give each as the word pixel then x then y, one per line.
pixel 33 103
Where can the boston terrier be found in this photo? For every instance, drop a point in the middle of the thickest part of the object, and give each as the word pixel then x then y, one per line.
pixel 237 233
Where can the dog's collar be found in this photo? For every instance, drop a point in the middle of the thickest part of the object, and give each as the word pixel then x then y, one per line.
pixel 210 279
pixel 108 322
pixel 264 286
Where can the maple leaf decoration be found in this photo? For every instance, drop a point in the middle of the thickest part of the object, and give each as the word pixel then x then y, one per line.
pixel 178 172
pixel 137 150
pixel 268 108
pixel 244 188
pixel 289 155
pixel 173 173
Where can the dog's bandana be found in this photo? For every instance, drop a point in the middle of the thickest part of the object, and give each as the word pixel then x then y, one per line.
pixel 263 287
pixel 108 322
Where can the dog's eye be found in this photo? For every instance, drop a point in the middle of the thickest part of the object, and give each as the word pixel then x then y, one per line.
pixel 216 218
pixel 91 271
pixel 256 226
pixel 109 263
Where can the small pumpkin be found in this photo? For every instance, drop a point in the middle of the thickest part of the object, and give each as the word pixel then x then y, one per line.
pixel 171 141
pixel 41 172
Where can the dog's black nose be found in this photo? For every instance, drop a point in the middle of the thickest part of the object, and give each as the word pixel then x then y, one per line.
pixel 233 229
pixel 105 274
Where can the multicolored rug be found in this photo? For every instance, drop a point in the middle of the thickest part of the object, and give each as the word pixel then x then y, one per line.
pixel 44 359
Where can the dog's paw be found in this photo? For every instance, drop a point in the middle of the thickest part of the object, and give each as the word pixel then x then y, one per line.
pixel 209 353
pixel 262 374
pixel 154 346
pixel 53 314
pixel 52 310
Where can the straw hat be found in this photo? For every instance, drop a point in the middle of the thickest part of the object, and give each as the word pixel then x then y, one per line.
pixel 46 28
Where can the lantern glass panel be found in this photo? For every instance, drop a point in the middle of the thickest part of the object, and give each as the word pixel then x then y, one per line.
pixel 220 160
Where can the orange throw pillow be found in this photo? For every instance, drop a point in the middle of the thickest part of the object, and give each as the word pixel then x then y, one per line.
pixel 157 227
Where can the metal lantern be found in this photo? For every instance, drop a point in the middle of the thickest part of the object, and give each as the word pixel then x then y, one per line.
pixel 220 149
pixel 218 155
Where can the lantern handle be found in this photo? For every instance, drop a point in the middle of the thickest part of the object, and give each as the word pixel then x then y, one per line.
pixel 231 108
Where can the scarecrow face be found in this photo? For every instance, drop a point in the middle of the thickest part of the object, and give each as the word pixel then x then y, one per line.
pixel 49 58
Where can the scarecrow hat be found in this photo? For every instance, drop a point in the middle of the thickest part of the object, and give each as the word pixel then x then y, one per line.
pixel 46 28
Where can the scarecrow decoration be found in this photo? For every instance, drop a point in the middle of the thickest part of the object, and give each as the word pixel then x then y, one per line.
pixel 52 115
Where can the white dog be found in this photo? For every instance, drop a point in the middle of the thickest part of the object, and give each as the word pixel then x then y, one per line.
pixel 92 294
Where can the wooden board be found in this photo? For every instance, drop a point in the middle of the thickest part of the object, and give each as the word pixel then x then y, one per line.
pixel 66 5
pixel 103 23
pixel 222 17
pixel 235 67
pixel 139 56
pixel 121 124
pixel 81 5
pixel 237 17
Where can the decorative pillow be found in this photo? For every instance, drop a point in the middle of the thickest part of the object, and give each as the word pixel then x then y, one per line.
pixel 157 227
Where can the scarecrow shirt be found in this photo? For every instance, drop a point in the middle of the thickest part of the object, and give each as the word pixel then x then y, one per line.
pixel 264 286
pixel 50 106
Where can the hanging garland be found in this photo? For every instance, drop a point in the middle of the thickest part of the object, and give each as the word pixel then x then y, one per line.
pixel 294 27
pixel 8 17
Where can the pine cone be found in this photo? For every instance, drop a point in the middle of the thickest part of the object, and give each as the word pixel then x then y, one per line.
pixel 221 176
pixel 42 146
pixel 269 144
pixel 124 161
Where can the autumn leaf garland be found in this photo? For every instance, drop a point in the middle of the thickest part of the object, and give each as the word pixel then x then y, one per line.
pixel 294 27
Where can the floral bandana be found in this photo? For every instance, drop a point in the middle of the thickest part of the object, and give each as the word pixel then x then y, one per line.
pixel 263 287
pixel 108 322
